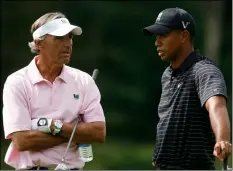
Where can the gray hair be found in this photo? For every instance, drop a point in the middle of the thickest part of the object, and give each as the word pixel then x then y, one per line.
pixel 38 23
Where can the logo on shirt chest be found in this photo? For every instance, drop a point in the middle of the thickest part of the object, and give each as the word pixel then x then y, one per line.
pixel 76 96
pixel 178 86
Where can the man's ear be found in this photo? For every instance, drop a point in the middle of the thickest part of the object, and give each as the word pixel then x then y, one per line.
pixel 185 36
pixel 39 44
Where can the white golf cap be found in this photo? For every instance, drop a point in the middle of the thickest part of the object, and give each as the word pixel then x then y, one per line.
pixel 57 27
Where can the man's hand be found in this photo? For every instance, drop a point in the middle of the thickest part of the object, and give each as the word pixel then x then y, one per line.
pixel 216 106
pixel 86 133
pixel 222 149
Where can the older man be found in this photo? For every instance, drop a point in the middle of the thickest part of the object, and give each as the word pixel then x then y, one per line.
pixel 42 101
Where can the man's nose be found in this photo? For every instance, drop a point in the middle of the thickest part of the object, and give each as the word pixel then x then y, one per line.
pixel 158 41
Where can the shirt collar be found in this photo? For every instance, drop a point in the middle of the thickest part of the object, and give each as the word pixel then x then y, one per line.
pixel 187 63
pixel 64 76
pixel 36 77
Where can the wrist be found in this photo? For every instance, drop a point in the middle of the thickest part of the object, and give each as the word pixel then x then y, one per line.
pixel 219 139
pixel 56 127
pixel 223 140
pixel 52 126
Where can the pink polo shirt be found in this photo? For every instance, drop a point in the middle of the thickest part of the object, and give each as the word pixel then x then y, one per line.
pixel 26 95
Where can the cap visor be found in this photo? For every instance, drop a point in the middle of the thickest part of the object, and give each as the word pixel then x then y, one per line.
pixel 65 29
pixel 156 30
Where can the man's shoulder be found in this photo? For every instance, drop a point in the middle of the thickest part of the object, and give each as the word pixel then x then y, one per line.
pixel 17 77
pixel 205 65
pixel 77 74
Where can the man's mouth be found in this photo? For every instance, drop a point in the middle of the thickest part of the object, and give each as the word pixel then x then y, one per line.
pixel 160 53
pixel 66 53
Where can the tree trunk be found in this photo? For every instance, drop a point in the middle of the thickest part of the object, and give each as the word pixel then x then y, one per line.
pixel 213 27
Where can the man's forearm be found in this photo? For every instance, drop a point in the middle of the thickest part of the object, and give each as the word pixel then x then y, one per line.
pixel 220 122
pixel 35 140
pixel 221 126
pixel 85 132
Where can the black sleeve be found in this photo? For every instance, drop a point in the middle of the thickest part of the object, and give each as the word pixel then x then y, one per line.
pixel 209 82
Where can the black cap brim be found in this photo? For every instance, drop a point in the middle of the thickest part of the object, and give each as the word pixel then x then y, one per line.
pixel 156 30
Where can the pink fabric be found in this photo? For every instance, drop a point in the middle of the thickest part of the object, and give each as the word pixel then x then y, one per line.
pixel 27 95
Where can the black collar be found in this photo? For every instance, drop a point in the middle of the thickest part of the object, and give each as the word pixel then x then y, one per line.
pixel 188 62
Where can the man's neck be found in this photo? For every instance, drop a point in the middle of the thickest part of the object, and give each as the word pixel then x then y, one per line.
pixel 48 70
pixel 181 57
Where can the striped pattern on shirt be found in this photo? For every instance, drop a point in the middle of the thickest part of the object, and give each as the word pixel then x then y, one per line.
pixel 184 134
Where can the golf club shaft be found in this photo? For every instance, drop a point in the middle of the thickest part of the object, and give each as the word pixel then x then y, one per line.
pixel 224 163
pixel 94 76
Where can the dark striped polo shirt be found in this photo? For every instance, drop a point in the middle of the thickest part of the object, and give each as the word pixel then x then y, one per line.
pixel 185 139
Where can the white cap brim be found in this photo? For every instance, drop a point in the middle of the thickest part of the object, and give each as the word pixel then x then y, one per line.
pixel 57 27
pixel 65 29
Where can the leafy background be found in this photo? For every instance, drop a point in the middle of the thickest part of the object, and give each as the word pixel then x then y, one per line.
pixel 130 69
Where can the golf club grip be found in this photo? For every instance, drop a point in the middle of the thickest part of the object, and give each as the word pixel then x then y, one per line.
pixel 224 163
pixel 94 76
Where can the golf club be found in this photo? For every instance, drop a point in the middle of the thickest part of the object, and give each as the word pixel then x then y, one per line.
pixel 62 165
pixel 224 164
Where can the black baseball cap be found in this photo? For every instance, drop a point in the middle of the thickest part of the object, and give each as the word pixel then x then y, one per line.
pixel 171 19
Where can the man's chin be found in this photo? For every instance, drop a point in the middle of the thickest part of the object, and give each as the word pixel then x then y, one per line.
pixel 164 58
pixel 66 60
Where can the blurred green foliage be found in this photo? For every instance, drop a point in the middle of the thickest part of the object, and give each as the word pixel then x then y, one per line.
pixel 130 69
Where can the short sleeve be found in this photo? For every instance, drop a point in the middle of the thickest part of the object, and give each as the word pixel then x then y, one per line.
pixel 15 109
pixel 210 82
pixel 91 108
